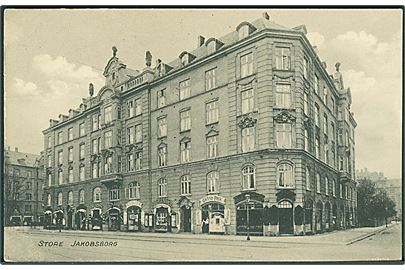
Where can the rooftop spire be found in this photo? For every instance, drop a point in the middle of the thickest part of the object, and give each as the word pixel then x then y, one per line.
pixel 115 50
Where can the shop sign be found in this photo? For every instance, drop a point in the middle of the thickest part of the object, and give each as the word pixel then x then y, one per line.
pixel 134 203
pixel 212 199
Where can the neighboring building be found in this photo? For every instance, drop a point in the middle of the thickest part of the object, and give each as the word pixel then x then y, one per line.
pixel 183 146
pixel 393 187
pixel 23 180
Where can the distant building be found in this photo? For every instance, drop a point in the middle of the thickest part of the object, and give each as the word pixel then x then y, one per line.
pixel 393 187
pixel 251 120
pixel 23 180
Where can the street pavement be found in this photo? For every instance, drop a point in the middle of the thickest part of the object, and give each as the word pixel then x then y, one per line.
pixel 24 244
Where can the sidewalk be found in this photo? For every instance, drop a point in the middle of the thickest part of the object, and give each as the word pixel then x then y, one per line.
pixel 342 237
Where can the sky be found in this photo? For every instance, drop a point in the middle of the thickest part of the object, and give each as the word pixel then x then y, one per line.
pixel 52 55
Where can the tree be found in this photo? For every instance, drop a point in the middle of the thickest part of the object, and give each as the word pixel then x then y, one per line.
pixel 14 190
pixel 373 203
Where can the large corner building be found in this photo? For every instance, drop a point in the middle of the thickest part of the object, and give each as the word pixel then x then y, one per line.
pixel 246 126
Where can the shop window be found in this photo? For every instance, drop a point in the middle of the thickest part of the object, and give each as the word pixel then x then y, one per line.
pixel 285 177
pixel 248 178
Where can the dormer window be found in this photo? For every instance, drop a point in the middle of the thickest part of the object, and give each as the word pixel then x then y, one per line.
pixel 244 30
pixel 186 58
pixel 213 45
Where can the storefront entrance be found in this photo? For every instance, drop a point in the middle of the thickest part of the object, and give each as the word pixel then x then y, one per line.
pixel 318 217
pixel 114 219
pixel 185 218
pixel 213 218
pixel 255 212
pixel 96 220
pixel 47 219
pixel 69 214
pixel 162 219
pixel 80 219
pixel 134 218
pixel 286 225
pixel 28 220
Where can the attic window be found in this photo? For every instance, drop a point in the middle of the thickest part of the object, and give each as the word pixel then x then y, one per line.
pixel 244 31
pixel 185 59
pixel 211 47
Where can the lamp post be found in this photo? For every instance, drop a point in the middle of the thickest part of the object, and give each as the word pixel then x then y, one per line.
pixel 247 196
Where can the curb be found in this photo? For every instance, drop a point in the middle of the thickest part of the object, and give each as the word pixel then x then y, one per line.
pixel 369 235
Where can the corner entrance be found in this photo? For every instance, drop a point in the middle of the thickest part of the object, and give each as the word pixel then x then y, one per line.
pixel 286 225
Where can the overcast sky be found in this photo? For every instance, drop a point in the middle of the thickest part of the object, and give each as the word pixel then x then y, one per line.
pixel 52 55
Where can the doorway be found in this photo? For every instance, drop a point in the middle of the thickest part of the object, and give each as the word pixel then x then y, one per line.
pixel 134 218
pixel 186 218
pixel 286 225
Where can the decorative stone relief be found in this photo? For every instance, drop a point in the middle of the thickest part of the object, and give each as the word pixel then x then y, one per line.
pixel 284 117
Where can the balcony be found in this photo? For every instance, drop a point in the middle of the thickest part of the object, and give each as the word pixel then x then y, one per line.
pixel 344 177
pixel 111 179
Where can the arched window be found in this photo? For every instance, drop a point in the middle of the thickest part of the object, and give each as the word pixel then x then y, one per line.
pixel 285 175
pixel 318 183
pixel 212 182
pixel 162 187
pixel 284 204
pixel 134 190
pixel 60 198
pixel 81 196
pixel 326 185
pixel 248 177
pixel 49 199
pixel 185 185
pixel 97 194
pixel 243 31
pixel 334 188
pixel 70 198
pixel 307 179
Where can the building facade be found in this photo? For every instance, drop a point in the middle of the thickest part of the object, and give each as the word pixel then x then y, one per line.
pixel 249 126
pixel 23 180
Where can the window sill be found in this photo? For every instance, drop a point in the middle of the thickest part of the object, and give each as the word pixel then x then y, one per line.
pixel 212 123
pixel 115 200
pixel 186 130
pixel 248 189
pixel 162 137
pixel 213 193
pixel 97 201
pixel 279 187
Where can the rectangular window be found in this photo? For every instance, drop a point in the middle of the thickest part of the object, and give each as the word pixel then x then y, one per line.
pixel 81 173
pixel 318 183
pixel 325 124
pixel 184 89
pixel 162 155
pixel 283 58
pixel 306 68
pixel 49 142
pixel 60 157
pixel 248 139
pixel 247 101
pixel 82 130
pixel 108 162
pixel 60 177
pixel 138 106
pixel 340 136
pixel 347 138
pixel 108 138
pixel 317 119
pixel 138 161
pixel 114 194
pixel 185 185
pixel 95 122
pixel 332 131
pixel 99 121
pixel 70 154
pixel 49 180
pixel 333 105
pixel 138 133
pixel 94 171
pixel 49 161
pixel 212 112
pixel 70 175
pixel 60 137
pixel 283 95
pixel 162 127
pixel 316 85
pixel 81 151
pixel 185 151
pixel 212 146
pixel 185 120
pixel 325 96
pixel 284 135
pixel 306 104
pixel 70 134
pixel 131 163
pixel 130 135
pixel 246 65
pixel 317 148
pixel 99 167
pixel 108 114
pixel 161 98
pixel 210 79
pixel 130 108
pixel 94 146
pixel 306 140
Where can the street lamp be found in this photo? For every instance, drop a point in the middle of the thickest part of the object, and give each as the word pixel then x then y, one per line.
pixel 247 196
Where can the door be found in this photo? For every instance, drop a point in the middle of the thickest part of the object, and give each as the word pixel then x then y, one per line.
pixel 134 218
pixel 162 220
pixel 114 220
pixel 285 218
pixel 186 218
pixel 96 221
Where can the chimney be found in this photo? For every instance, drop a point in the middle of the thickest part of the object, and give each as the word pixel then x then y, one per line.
pixel 324 65
pixel 16 149
pixel 266 16
pixel 200 41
